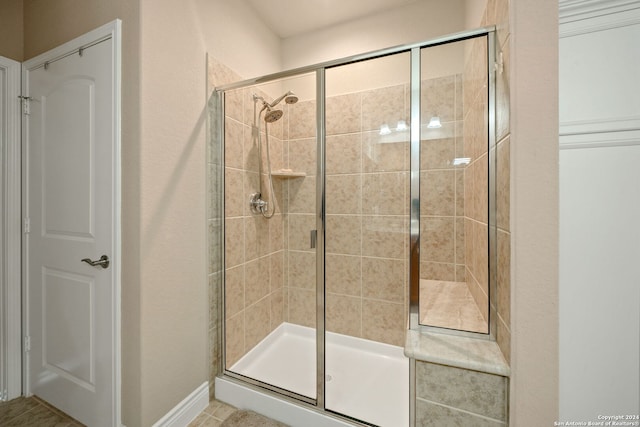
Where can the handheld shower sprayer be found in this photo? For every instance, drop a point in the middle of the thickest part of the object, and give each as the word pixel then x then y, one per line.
pixel 257 204
pixel 289 98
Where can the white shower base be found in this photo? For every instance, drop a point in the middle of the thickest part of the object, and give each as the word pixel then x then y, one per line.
pixel 369 381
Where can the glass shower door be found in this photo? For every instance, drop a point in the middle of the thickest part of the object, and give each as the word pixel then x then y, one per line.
pixel 269 216
pixel 398 199
pixel 454 182
pixel 366 239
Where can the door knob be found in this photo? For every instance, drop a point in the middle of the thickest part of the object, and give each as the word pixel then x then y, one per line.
pixel 102 262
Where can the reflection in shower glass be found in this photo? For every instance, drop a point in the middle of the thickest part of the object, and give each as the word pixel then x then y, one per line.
pixel 454 262
pixel 367 236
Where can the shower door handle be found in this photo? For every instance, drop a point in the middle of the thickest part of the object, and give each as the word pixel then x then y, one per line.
pixel 313 238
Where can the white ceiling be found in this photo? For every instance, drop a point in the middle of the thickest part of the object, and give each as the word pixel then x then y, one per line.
pixel 288 18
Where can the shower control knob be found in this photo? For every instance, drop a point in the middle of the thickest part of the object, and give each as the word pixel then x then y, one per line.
pixel 256 204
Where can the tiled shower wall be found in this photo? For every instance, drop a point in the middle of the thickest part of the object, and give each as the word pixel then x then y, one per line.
pixel 254 256
pixel 299 198
pixel 367 213
pixel 476 173
pixel 498 13
pixel 366 221
pixel 367 202
pixel 353 307
pixel 254 245
pixel 442 187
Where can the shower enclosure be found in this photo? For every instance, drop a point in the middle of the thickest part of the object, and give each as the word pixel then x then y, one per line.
pixel 355 202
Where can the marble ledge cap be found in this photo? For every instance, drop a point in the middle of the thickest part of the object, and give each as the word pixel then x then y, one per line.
pixel 460 352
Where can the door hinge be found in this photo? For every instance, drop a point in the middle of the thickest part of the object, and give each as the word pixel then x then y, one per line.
pixel 27 225
pixel 26 104
pixel 27 344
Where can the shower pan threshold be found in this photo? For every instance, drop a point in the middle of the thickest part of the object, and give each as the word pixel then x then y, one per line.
pixel 366 380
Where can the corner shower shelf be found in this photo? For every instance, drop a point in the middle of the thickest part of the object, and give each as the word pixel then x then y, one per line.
pixel 287 174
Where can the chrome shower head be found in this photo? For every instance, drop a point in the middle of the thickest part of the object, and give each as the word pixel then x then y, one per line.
pixel 289 98
pixel 272 115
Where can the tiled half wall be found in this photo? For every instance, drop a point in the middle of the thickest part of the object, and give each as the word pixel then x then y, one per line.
pixel 450 396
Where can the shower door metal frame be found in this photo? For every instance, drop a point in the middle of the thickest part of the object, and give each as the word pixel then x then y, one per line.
pixel 414 248
pixel 414 228
pixel 320 242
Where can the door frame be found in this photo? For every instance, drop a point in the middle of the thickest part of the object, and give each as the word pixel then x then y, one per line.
pixel 10 193
pixel 113 31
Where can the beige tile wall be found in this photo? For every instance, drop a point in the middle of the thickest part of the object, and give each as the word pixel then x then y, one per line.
pixel 497 13
pixel 442 187
pixel 367 212
pixel 366 222
pixel 254 245
pixel 367 207
pixel 476 173
pixel 468 139
pixel 471 229
pixel 254 257
pixel 448 396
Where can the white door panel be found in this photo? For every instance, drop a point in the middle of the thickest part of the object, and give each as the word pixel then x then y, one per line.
pixel 71 159
pixel 67 112
pixel 67 315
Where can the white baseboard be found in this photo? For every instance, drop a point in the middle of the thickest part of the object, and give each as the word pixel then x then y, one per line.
pixel 187 410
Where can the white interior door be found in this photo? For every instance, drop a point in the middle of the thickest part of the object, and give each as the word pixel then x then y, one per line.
pixel 71 168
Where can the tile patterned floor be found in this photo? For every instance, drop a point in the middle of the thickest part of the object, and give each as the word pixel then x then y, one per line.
pixel 449 305
pixel 33 412
pixel 213 415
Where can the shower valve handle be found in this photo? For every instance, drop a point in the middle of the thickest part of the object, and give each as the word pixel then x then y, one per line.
pixel 256 203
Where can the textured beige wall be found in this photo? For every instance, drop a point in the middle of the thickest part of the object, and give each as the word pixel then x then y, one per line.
pixel 534 212
pixel 48 24
pixel 11 29
pixel 474 11
pixel 173 311
pixel 175 39
pixel 414 22
pixel 129 12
